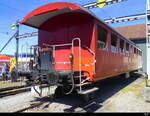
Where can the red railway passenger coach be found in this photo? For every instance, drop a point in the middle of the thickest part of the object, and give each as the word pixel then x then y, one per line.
pixel 76 48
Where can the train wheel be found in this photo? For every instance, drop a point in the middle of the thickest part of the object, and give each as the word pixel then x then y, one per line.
pixel 59 92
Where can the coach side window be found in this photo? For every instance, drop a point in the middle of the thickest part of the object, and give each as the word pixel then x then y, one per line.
pixel 131 51
pixel 121 45
pixel 137 52
pixel 134 50
pixel 113 43
pixel 127 47
pixel 102 38
pixel 140 53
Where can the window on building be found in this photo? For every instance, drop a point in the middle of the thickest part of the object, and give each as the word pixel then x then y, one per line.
pixel 102 38
pixel 127 47
pixel 121 45
pixel 113 43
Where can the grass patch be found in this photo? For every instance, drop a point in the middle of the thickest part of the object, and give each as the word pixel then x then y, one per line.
pixel 10 84
pixel 135 88
pixel 126 89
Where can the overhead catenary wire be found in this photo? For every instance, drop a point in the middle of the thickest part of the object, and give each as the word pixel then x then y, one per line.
pixel 10 7
pixel 111 20
pixel 6 33
pixel 125 18
pixel 91 5
pixel 19 11
pixel 107 2
pixel 8 42
pixel 88 6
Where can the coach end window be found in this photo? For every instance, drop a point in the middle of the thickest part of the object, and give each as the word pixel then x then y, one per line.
pixel 113 43
pixel 102 38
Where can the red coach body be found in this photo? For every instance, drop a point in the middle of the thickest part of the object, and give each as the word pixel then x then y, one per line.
pixel 104 52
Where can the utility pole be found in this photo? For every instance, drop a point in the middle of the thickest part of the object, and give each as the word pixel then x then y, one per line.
pixel 17 45
pixel 148 40
pixel 147 88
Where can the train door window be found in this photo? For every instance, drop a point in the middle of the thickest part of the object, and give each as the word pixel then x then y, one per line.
pixel 121 45
pixel 127 47
pixel 113 43
pixel 102 37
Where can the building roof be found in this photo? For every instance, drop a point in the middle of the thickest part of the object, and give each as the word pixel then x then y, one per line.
pixel 133 32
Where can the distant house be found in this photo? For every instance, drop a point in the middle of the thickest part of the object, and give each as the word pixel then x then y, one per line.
pixel 137 34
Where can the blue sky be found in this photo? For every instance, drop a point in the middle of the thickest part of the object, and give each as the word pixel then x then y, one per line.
pixel 12 10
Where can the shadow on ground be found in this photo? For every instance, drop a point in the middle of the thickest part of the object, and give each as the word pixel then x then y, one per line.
pixel 107 88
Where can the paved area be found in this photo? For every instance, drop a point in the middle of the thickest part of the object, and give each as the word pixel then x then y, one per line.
pixel 128 99
pixel 116 94
pixel 15 102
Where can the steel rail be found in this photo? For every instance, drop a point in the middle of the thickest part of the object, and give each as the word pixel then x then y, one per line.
pixel 11 88
pixel 38 104
pixel 10 92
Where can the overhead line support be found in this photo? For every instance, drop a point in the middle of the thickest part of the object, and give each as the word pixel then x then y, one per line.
pixel 107 2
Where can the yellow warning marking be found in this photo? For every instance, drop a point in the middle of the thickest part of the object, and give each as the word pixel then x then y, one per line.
pixel 101 5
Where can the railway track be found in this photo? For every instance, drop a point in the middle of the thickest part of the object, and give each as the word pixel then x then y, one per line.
pixel 97 101
pixel 37 104
pixel 11 88
pixel 80 107
pixel 48 99
pixel 88 107
pixel 29 107
pixel 15 90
